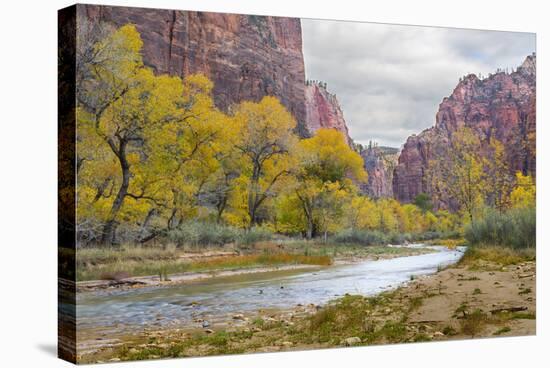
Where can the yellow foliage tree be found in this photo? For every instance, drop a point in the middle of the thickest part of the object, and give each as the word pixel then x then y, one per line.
pixel 327 167
pixel 458 174
pixel 524 193
pixel 265 140
pixel 499 179
pixel 145 142
pixel 361 213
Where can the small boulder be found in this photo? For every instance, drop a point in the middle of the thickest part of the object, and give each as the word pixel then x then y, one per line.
pixel 238 316
pixel 351 341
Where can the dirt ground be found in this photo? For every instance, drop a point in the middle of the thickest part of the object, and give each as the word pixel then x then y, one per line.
pixel 509 289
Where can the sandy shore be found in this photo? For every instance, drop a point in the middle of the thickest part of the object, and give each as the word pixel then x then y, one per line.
pixel 457 292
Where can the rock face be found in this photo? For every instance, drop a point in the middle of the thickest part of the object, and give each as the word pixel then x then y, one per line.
pixel 503 105
pixel 323 110
pixel 380 163
pixel 246 56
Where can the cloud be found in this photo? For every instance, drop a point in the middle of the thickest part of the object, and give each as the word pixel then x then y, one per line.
pixel 390 79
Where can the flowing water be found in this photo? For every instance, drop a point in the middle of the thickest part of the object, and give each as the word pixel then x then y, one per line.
pixel 124 312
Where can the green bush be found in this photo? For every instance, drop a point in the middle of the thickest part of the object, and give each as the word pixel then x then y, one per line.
pixel 400 238
pixel 254 235
pixel 203 233
pixel 432 235
pixel 515 228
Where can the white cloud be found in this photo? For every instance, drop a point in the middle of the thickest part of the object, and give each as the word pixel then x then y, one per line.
pixel 390 79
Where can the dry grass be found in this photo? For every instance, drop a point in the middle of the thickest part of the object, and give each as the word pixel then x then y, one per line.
pixel 259 259
pixel 113 264
pixel 476 256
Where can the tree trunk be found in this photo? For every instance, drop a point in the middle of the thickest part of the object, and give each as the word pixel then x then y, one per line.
pixel 309 234
pixel 253 194
pixel 221 208
pixel 143 229
pixel 109 229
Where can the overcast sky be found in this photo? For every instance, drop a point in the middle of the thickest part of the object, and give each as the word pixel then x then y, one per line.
pixel 390 79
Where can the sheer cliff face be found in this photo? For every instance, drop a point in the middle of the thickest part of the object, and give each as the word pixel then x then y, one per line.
pixel 247 57
pixel 323 110
pixel 379 164
pixel 501 105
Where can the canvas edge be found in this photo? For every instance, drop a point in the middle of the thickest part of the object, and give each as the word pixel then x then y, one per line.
pixel 66 328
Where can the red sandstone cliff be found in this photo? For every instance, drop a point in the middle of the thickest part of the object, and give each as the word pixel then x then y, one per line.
pixel 323 110
pixel 503 105
pixel 379 164
pixel 246 56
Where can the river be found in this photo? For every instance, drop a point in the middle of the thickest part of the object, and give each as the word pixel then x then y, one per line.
pixel 110 313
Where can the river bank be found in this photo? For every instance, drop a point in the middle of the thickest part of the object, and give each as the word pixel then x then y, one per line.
pixel 478 297
pixel 264 257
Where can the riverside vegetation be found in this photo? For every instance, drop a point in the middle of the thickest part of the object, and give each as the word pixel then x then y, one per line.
pixel 164 177
pixel 159 165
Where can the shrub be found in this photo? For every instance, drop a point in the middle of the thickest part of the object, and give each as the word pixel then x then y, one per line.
pixel 400 238
pixel 203 233
pixel 502 256
pixel 254 235
pixel 515 228
pixel 473 323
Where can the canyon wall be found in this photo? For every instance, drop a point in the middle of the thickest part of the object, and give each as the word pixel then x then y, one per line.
pixel 246 56
pixel 323 110
pixel 502 106
pixel 380 163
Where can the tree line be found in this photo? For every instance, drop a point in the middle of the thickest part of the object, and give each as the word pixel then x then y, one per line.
pixel 153 152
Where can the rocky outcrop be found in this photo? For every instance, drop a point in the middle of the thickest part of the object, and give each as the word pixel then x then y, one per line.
pixel 501 106
pixel 246 56
pixel 380 163
pixel 323 110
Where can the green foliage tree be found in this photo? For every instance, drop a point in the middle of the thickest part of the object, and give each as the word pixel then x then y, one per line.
pixel 424 202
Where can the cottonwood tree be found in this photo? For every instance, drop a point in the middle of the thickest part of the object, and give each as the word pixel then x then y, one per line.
pixel 458 174
pixel 524 193
pixel 265 140
pixel 327 166
pixel 499 179
pixel 146 135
